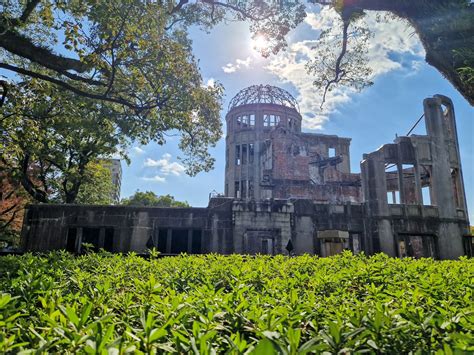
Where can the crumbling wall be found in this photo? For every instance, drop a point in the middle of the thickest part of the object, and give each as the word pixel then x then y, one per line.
pixel 399 214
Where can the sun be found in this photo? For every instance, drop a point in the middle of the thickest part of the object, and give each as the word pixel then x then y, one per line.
pixel 259 43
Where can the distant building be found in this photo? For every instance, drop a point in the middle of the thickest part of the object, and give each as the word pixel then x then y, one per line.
pixel 293 192
pixel 115 168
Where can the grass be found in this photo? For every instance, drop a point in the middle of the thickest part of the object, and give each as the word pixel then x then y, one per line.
pixel 109 304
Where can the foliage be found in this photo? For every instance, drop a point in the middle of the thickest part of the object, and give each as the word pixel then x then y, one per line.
pixel 97 187
pixel 137 53
pixel 49 136
pixel 104 303
pixel 121 55
pixel 149 198
pixel 13 199
pixel 444 27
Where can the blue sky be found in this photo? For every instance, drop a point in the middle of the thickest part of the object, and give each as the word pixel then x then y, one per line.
pixel 371 118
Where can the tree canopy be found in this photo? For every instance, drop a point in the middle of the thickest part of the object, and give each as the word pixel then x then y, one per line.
pixel 49 136
pixel 121 54
pixel 150 199
pixel 97 187
pixel 137 54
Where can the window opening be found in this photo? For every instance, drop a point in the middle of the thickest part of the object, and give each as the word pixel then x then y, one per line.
pixel 251 153
pixel 393 197
pixel 409 186
pixel 162 240
pixel 243 187
pixel 391 181
pixel 179 241
pixel 331 152
pixel 244 154
pixel 250 188
pixel 237 155
pixel 196 243
pixel 271 120
pixel 91 236
pixel 426 195
pixel 252 120
pixel 237 189
pixel 71 240
pixel 109 239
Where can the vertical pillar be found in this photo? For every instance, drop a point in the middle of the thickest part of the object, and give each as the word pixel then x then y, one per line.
pixel 441 133
pixel 418 193
pixel 401 183
pixel 79 239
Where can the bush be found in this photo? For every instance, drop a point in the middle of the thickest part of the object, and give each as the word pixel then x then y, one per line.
pixel 100 303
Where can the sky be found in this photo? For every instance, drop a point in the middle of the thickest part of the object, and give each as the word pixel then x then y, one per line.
pixel 373 117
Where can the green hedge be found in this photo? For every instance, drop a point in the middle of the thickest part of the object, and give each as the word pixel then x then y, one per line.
pixel 104 303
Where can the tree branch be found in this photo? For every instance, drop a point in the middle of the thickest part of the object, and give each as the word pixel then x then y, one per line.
pixel 23 47
pixel 338 72
pixel 137 108
pixel 30 6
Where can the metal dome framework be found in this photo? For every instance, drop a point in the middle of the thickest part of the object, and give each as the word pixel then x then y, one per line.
pixel 263 94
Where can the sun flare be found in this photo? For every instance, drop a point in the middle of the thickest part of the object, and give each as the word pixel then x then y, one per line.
pixel 259 43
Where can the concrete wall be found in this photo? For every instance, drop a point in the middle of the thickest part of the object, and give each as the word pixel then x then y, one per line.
pixel 416 162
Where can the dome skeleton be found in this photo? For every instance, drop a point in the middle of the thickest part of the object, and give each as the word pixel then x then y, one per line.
pixel 263 94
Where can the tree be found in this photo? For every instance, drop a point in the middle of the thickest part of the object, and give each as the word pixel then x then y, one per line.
pixel 12 202
pixel 110 49
pixel 124 53
pixel 96 187
pixel 445 29
pixel 49 137
pixel 150 199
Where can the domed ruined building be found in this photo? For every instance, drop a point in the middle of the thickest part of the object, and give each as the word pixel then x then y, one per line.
pixel 290 192
pixel 267 155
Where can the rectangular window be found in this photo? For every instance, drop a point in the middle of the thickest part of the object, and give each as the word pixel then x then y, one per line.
pixel 271 120
pixel 237 155
pixel 243 187
pixel 250 182
pixel 196 242
pixel 393 197
pixel 71 240
pixel 331 152
pixel 179 241
pixel 237 189
pixel 252 120
pixel 245 121
pixel 251 153
pixel 91 236
pixel 162 240
pixel 244 154
pixel 426 195
pixel 109 239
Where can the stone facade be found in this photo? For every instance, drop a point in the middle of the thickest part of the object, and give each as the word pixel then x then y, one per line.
pixel 299 196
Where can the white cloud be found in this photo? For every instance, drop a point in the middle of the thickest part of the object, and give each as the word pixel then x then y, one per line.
pixel 165 165
pixel 239 64
pixel 138 150
pixel 155 178
pixel 393 47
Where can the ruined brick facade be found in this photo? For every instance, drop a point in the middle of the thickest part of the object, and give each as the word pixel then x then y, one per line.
pixel 267 155
pixel 289 192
